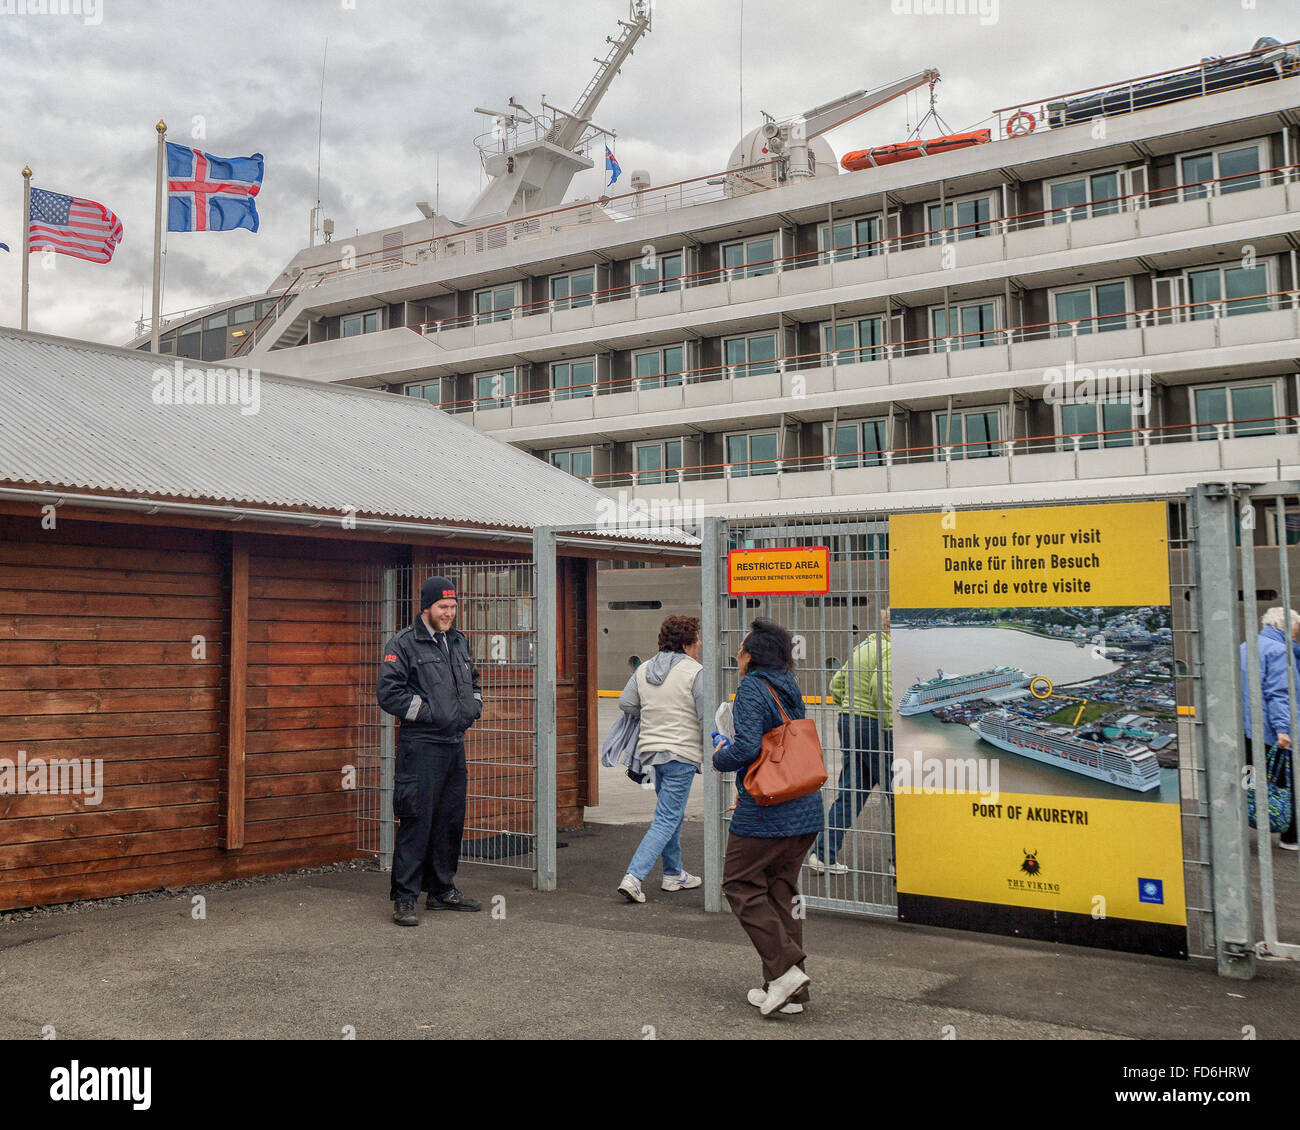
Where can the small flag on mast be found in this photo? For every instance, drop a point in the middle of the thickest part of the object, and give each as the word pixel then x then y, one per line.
pixel 612 166
pixel 70 225
pixel 207 193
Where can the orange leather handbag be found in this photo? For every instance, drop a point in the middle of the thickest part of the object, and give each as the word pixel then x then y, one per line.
pixel 790 764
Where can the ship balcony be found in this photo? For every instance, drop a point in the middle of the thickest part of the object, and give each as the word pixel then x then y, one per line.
pixel 1260 206
pixel 1150 461
pixel 1171 345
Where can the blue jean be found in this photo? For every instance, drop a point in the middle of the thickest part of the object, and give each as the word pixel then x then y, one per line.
pixel 867 750
pixel 673 781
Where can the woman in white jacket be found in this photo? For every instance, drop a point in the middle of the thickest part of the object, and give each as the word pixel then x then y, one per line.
pixel 667 694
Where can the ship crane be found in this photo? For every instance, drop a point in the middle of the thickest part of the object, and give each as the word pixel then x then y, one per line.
pixel 531 160
pixel 791 142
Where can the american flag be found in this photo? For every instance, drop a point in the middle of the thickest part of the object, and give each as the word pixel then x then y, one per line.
pixel 73 226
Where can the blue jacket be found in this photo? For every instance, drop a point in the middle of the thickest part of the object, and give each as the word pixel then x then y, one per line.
pixel 1274 653
pixel 755 713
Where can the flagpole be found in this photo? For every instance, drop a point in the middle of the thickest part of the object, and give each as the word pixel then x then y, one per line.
pixel 161 127
pixel 27 234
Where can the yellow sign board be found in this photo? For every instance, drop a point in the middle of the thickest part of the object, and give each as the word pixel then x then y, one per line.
pixel 1100 858
pixel 801 569
pixel 1110 554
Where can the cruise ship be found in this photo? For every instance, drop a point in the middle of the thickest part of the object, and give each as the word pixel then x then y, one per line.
pixel 1080 751
pixel 947 690
pixel 780 335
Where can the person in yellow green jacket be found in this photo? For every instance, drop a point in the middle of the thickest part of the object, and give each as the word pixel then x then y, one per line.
pixel 863 689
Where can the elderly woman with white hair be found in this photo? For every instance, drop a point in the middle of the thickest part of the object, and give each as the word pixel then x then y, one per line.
pixel 1277 640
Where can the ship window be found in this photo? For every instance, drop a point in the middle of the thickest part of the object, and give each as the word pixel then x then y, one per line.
pixel 974 433
pixel 667 363
pixel 849 239
pixel 662 273
pixel 242 314
pixel 859 444
pixel 967 326
pixel 751 453
pixel 429 390
pixel 750 356
pixel 747 258
pixel 216 321
pixel 1098 425
pixel 634 605
pixel 494 304
pixel 1083 310
pixel 188 345
pixel 572 380
pixel 659 462
pixel 1077 198
pixel 576 462
pixel 494 390
pixel 847 342
pixel 1228 290
pixel 959 219
pixel 364 323
pixel 1241 410
pixel 1233 169
pixel 572 290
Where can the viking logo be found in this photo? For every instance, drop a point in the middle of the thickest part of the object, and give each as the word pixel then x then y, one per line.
pixel 1030 865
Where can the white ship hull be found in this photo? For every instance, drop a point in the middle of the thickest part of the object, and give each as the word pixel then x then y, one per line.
pixel 1097 774
pixel 908 709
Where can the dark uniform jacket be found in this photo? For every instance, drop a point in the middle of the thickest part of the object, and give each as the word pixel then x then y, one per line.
pixel 432 697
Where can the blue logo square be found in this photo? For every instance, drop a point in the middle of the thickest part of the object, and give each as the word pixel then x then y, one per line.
pixel 1151 890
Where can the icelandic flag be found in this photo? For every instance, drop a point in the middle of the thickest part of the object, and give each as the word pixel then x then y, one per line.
pixel 612 167
pixel 207 193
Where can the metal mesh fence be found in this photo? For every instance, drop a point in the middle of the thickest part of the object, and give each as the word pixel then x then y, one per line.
pixel 497 617
pixel 857 798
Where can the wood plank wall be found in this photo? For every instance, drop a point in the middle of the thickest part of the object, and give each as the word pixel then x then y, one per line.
pixel 98 661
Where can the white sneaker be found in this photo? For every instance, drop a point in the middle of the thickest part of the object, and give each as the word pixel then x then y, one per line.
pixel 630 888
pixel 783 988
pixel 1288 847
pixel 836 868
pixel 683 882
pixel 756 997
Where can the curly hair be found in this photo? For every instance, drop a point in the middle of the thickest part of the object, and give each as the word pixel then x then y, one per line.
pixel 677 633
pixel 769 645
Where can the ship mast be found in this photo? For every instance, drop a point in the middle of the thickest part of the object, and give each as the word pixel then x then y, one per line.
pixel 531 161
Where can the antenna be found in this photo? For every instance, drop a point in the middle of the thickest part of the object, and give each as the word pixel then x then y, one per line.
pixel 320 136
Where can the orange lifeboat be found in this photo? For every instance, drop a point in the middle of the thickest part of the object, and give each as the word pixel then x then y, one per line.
pixel 909 150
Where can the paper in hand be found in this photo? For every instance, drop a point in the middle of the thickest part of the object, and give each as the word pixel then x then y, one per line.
pixel 723 722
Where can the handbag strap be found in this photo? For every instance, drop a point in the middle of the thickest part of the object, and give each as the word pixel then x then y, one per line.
pixel 785 719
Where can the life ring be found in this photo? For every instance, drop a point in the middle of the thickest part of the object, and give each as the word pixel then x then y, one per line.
pixel 1014 129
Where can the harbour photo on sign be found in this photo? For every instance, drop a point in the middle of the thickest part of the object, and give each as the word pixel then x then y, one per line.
pixel 1068 701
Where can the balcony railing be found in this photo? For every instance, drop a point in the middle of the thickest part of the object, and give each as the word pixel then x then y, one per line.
pixel 1239 306
pixel 1113 440
pixel 931 237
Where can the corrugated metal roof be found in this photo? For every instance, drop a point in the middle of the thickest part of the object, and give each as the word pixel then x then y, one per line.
pixel 80 415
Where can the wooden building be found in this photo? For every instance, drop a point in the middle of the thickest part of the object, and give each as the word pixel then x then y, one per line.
pixel 181 579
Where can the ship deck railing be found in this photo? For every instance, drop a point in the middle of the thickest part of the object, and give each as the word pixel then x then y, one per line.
pixel 1147 197
pixel 1204 82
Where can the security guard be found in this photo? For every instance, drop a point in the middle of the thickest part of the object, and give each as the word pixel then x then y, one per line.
pixel 428 681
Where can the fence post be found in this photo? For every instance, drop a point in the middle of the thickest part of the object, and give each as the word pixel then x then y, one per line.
pixel 712 657
pixel 387 726
pixel 1221 730
pixel 544 675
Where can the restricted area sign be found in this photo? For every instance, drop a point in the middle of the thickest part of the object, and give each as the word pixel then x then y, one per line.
pixel 763 572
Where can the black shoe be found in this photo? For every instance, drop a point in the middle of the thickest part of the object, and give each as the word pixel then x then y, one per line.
pixel 404 913
pixel 451 900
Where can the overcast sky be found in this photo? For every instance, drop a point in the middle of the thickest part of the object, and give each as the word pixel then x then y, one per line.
pixel 403 78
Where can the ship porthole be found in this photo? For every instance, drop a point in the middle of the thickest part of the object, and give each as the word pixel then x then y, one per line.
pixel 634 661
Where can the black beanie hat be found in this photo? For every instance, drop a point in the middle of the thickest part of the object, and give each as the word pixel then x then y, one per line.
pixel 434 590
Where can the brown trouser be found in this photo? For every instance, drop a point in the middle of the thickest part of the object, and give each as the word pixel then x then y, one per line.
pixel 759 878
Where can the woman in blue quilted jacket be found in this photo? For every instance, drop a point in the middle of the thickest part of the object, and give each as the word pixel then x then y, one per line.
pixel 767 845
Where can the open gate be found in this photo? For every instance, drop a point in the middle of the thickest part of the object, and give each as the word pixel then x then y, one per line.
pixel 497 616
